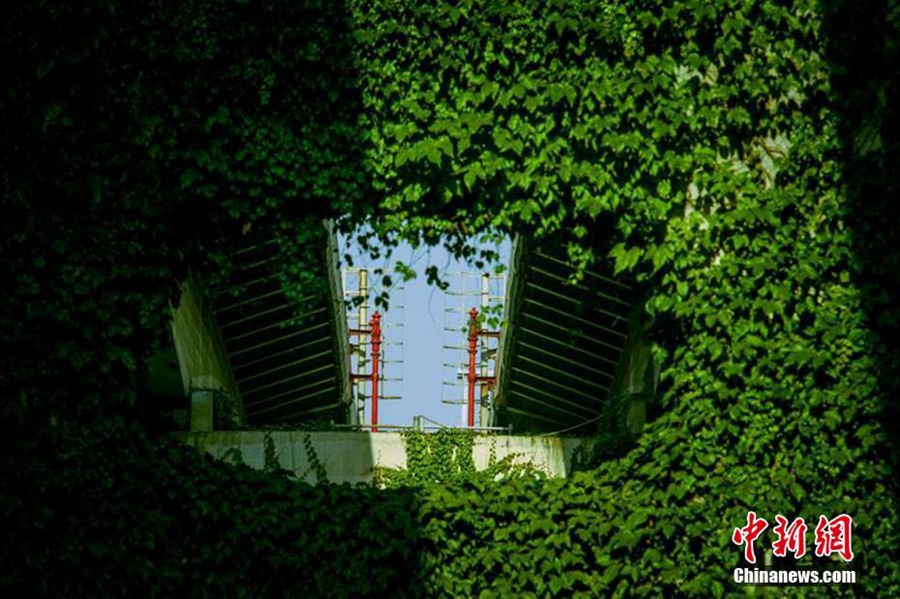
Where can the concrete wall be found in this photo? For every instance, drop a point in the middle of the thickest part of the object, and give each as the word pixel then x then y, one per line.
pixel 351 456
pixel 205 368
pixel 637 373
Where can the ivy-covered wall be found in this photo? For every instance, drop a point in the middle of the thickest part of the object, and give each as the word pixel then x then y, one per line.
pixel 736 158
pixel 355 457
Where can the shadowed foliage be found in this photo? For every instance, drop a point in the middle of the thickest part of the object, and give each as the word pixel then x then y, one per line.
pixel 736 158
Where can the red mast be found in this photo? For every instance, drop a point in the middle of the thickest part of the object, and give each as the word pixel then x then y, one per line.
pixel 473 348
pixel 375 327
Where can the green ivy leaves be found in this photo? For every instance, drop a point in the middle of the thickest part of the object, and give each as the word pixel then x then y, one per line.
pixel 698 145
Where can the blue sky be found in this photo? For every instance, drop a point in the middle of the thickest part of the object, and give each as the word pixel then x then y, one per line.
pixel 415 331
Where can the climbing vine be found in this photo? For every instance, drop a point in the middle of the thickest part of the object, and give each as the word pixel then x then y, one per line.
pixel 446 457
pixel 614 438
pixel 315 463
pixel 729 156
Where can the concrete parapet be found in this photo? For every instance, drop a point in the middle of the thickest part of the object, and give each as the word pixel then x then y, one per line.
pixel 352 456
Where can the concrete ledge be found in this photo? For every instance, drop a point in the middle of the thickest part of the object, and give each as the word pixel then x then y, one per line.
pixel 352 456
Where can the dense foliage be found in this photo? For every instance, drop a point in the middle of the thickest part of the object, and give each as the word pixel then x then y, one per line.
pixel 141 142
pixel 727 155
pixel 709 143
pixel 125 515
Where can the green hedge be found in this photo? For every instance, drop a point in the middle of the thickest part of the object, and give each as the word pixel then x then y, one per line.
pixel 729 156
